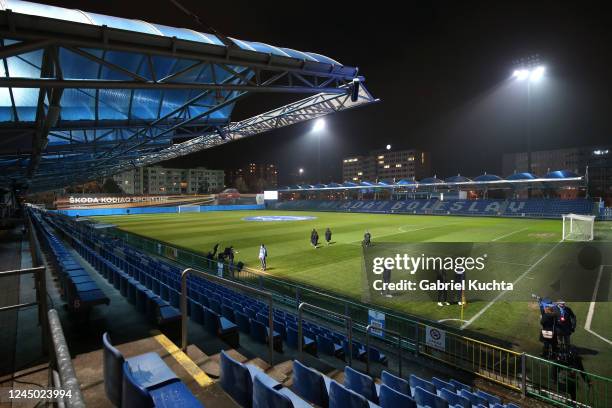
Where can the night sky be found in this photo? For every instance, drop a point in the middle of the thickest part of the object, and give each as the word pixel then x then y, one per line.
pixel 441 70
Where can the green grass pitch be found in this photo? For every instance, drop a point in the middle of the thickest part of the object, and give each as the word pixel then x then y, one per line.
pixel 337 268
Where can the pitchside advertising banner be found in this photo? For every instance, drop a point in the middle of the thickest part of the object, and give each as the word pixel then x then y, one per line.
pixel 453 272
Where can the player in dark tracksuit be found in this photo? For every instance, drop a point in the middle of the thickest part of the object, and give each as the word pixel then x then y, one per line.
pixel 328 235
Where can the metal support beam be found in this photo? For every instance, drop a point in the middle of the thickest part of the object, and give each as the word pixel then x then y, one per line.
pixel 17 82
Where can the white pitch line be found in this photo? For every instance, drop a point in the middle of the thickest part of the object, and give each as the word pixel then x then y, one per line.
pixel 589 319
pixel 507 235
pixel 517 280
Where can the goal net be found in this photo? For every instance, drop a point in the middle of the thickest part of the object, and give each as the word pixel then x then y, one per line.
pixel 188 208
pixel 578 227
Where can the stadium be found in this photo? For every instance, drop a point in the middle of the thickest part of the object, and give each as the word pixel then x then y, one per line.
pixel 132 280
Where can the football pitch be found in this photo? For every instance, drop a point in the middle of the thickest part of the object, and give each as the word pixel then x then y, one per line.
pixel 337 268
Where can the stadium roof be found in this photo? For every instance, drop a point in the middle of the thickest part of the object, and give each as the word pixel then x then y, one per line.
pixel 84 95
pixel 550 180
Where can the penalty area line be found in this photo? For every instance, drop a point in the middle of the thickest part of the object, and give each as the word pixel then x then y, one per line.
pixel 517 280
pixel 589 319
pixel 511 233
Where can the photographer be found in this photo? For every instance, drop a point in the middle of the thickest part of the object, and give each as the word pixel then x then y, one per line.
pixel 565 325
pixel 549 312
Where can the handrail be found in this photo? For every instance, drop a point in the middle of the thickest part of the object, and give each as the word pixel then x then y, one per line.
pixel 347 321
pixel 388 331
pixel 230 283
pixel 67 376
pixel 41 298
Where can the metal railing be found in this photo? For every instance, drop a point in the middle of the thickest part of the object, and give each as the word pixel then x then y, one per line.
pixel 562 385
pixel 494 363
pixel 231 284
pixel 61 371
pixel 348 322
pixel 41 298
pixel 371 328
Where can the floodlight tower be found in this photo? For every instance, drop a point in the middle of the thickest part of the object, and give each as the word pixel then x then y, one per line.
pixel 318 128
pixel 530 71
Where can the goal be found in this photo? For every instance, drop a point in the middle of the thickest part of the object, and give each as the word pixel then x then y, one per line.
pixel 188 208
pixel 578 227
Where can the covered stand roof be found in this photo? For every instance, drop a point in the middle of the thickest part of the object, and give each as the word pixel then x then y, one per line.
pixel 84 95
pixel 551 180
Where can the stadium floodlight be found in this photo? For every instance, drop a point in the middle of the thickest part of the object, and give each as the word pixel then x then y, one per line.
pixel 301 171
pixel 521 74
pixel 319 125
pixel 537 73
pixel 533 74
pixel 388 147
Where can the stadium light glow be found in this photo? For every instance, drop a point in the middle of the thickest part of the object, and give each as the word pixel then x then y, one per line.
pixel 533 75
pixel 319 125
pixel 388 147
pixel 301 171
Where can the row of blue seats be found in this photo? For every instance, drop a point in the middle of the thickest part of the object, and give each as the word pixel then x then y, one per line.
pixel 491 207
pixel 393 392
pixel 77 287
pixel 142 381
pixel 158 309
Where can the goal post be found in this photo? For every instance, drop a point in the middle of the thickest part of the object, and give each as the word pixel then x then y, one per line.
pixel 188 208
pixel 578 227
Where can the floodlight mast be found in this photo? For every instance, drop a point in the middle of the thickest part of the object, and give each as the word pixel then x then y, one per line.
pixel 317 128
pixel 530 74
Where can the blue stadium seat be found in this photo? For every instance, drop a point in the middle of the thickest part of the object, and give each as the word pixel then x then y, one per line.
pixel 454 399
pixel 360 383
pixel 221 327
pixel 459 385
pixel 376 356
pixel 267 396
pixel 228 312
pixel 134 395
pixel 236 380
pixel 243 322
pixel 424 398
pixel 308 344
pixel 260 333
pixel 474 399
pixel 113 371
pixel 492 399
pixel 419 382
pixel 175 394
pixel 327 346
pixel 390 398
pixel 358 352
pixel 341 397
pixel 396 383
pixel 310 385
pixel 441 384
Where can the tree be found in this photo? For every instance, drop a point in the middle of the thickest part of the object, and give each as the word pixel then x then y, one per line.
pixel 241 186
pixel 111 187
